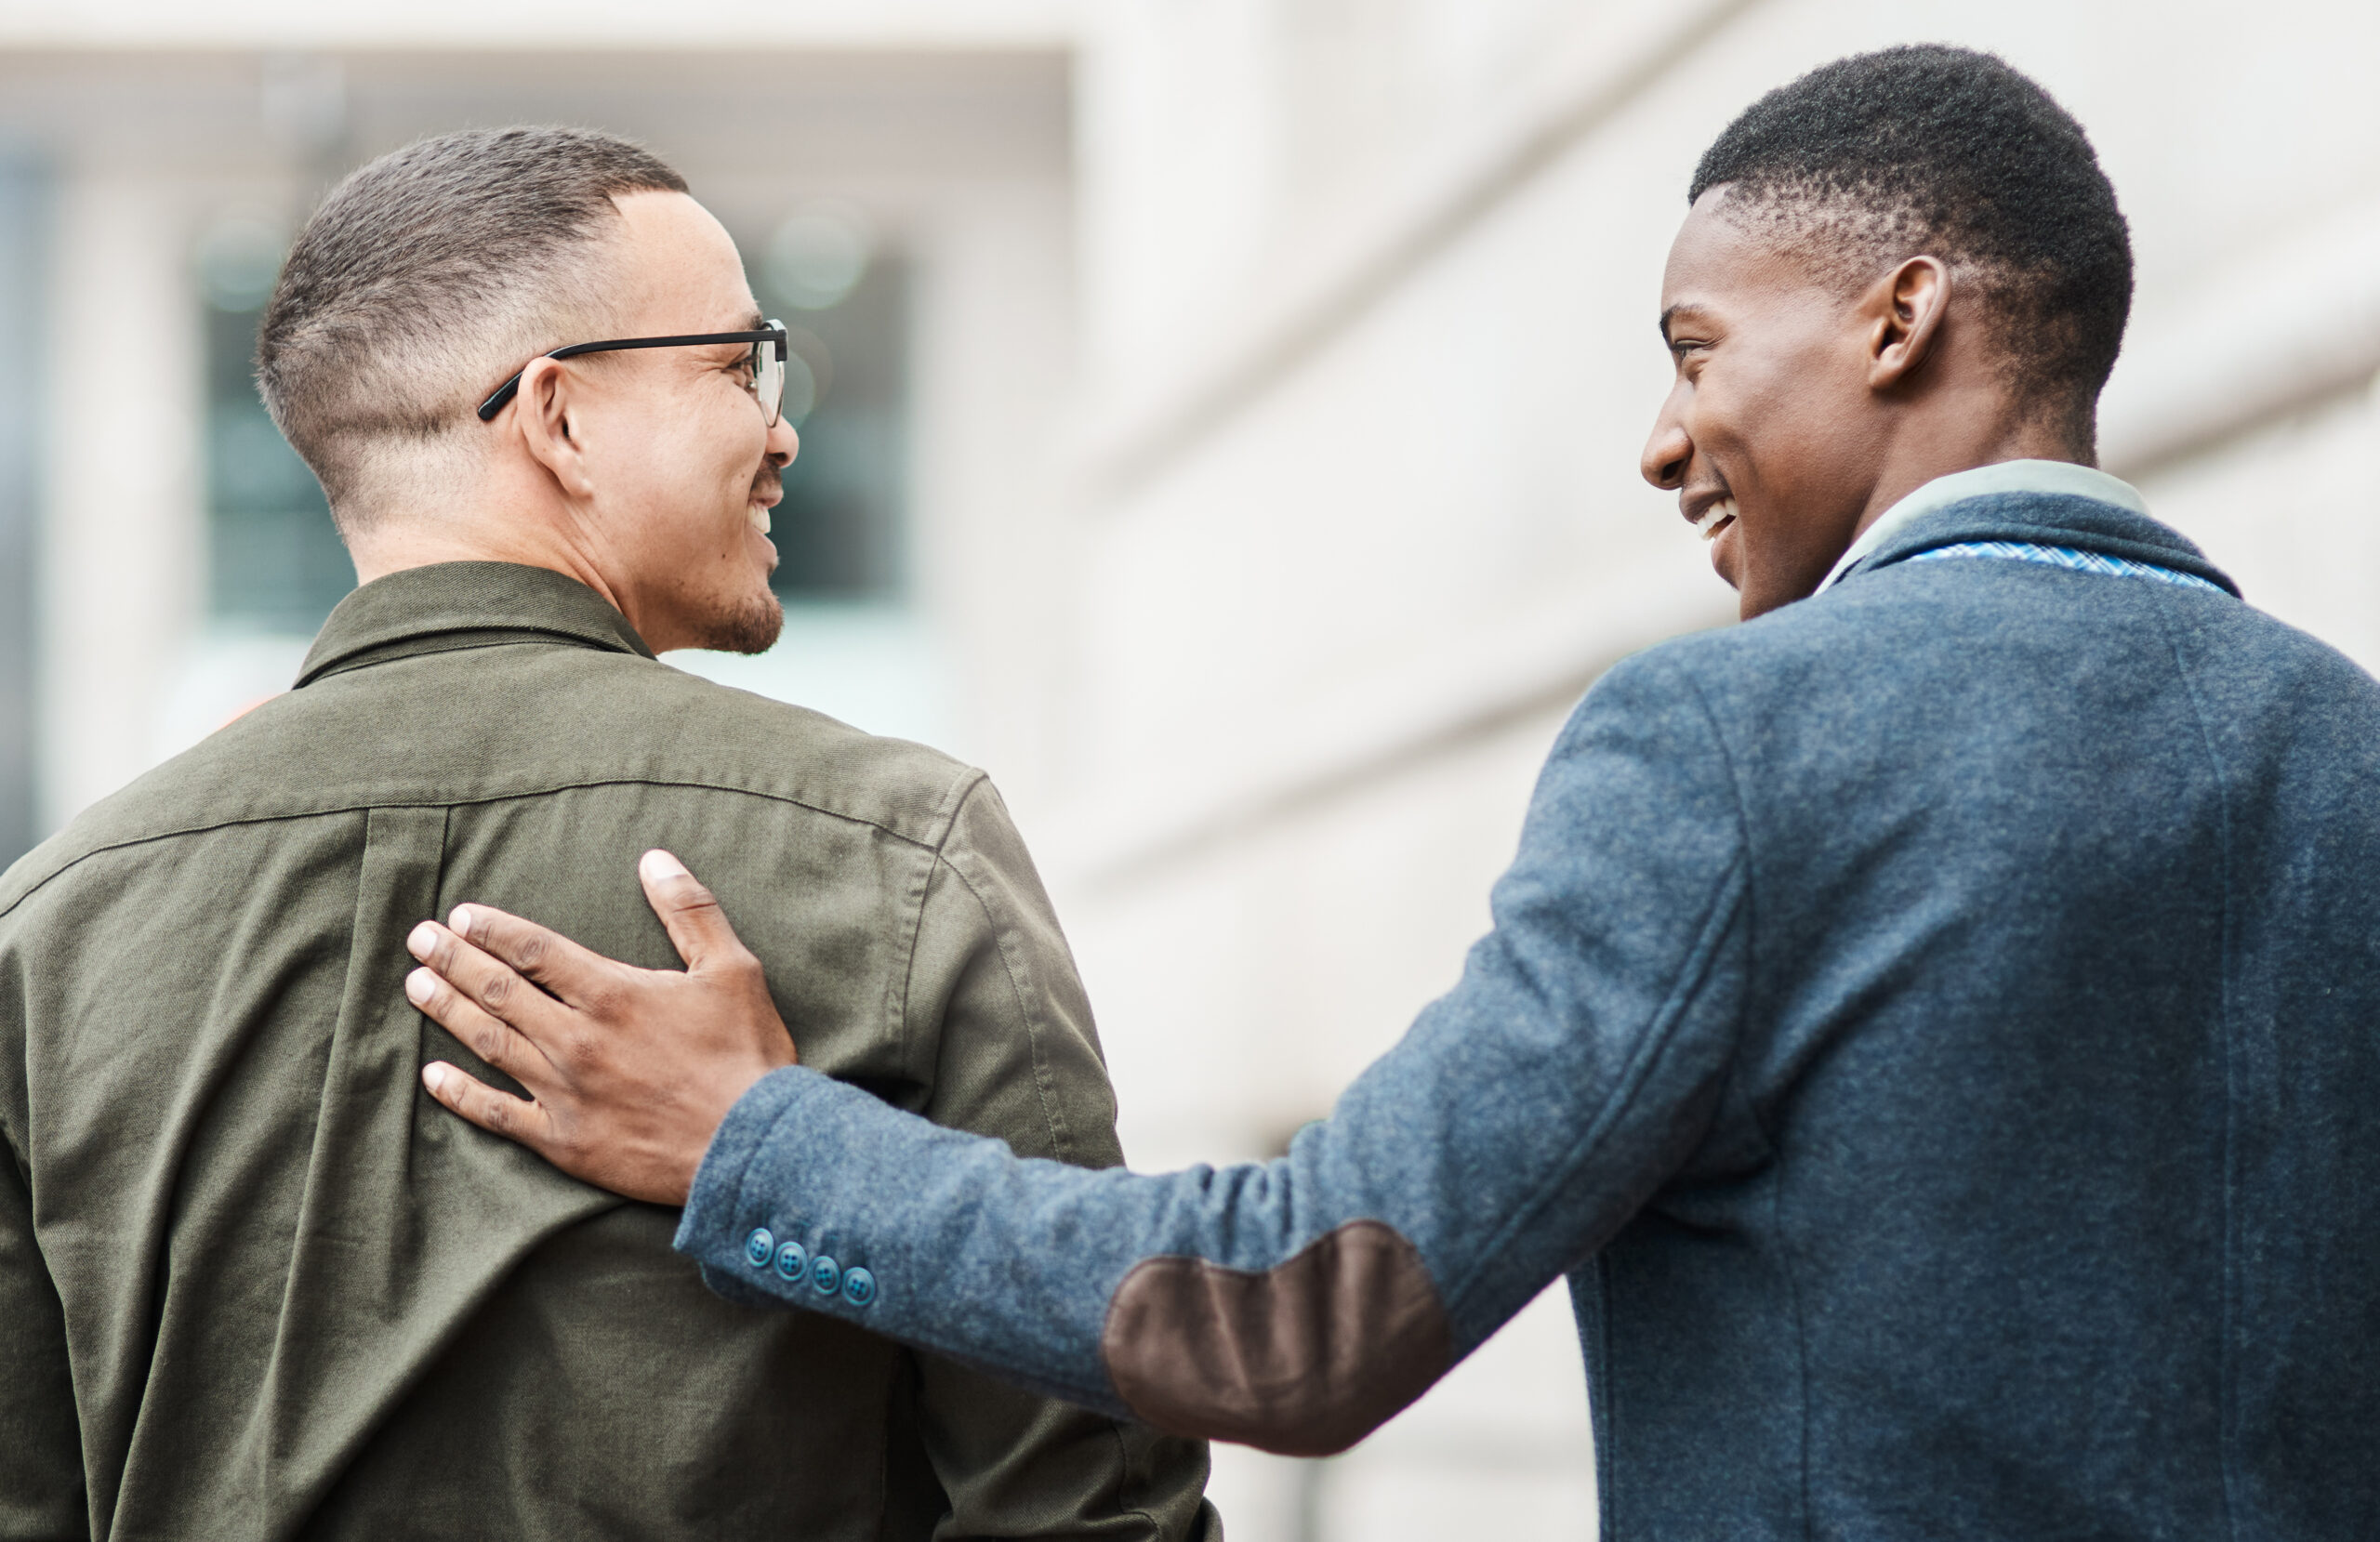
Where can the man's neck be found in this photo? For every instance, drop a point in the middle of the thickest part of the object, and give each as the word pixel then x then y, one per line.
pixel 1933 456
pixel 392 546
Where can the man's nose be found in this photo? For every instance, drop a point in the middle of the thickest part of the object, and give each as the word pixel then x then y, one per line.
pixel 1667 454
pixel 783 443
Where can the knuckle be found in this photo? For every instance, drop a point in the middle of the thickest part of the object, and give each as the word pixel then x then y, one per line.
pixel 494 1114
pixel 529 951
pixel 497 991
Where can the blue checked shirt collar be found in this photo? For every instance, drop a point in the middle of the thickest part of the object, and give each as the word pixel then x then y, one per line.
pixel 2008 476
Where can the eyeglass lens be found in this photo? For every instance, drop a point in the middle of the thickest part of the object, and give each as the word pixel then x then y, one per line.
pixel 768 378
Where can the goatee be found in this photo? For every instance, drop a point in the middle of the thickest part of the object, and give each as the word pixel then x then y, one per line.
pixel 749 626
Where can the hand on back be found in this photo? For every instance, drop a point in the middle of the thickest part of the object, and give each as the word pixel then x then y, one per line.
pixel 629 1070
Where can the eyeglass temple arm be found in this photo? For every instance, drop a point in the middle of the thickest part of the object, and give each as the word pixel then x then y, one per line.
pixel 505 392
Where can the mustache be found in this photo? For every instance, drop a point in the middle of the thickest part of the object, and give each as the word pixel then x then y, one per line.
pixel 768 485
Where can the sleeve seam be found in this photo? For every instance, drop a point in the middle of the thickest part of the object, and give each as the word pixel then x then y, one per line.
pixel 1751 887
pixel 1060 1139
pixel 1128 1477
pixel 1718 917
pixel 961 790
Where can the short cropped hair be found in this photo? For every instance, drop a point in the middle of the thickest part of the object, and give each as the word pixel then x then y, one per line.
pixel 423 280
pixel 1930 150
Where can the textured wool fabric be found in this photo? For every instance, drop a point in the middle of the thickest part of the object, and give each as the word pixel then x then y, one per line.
pixel 254 1284
pixel 1935 1026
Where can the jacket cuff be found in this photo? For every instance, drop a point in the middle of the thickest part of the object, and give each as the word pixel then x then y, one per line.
pixel 817 1194
pixel 709 1229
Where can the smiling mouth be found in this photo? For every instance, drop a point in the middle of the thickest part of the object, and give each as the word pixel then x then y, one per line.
pixel 767 491
pixel 1716 518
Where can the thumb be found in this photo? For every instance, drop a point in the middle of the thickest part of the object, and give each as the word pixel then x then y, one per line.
pixel 698 928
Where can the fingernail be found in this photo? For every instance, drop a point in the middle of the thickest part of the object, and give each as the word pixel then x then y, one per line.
pixel 658 865
pixel 460 921
pixel 418 987
pixel 433 1076
pixel 421 940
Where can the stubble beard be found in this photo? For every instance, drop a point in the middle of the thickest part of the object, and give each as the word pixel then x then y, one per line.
pixel 746 626
pixel 751 622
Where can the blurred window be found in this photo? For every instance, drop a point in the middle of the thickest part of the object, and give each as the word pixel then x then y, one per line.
pixel 854 646
pixel 274 561
pixel 24 233
pixel 842 532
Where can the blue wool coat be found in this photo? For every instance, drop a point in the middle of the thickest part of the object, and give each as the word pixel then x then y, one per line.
pixel 1936 1027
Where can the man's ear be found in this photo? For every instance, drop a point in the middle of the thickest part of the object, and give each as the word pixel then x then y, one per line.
pixel 542 414
pixel 1904 312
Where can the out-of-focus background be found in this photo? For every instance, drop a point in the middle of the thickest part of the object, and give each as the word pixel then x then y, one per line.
pixel 1219 420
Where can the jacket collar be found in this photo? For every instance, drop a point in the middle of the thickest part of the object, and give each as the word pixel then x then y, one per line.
pixel 2045 519
pixel 450 605
pixel 1999 476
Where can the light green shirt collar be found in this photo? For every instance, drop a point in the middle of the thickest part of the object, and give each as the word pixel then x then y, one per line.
pixel 2008 476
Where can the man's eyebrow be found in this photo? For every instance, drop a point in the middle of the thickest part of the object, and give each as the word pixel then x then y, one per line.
pixel 752 322
pixel 1680 308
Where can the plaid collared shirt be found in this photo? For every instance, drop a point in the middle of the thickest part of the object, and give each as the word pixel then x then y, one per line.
pixel 2068 557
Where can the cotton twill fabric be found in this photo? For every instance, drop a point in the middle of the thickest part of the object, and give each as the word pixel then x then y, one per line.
pixel 1932 1027
pixel 255 1285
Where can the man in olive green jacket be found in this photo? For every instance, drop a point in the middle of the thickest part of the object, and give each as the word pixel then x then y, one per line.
pixel 253 1285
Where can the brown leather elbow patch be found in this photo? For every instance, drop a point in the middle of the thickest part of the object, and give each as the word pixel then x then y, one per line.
pixel 1303 1359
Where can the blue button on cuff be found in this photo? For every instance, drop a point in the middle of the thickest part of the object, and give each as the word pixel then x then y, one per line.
pixel 759 1248
pixel 825 1275
pixel 793 1261
pixel 859 1287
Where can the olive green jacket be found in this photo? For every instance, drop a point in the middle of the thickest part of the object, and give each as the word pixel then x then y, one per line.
pixel 255 1285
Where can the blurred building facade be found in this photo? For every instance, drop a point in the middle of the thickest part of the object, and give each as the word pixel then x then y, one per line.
pixel 1224 428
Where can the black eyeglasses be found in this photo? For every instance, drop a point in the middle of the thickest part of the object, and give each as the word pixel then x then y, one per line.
pixel 768 363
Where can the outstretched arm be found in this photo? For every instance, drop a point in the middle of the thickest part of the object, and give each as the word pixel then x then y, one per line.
pixel 1293 1305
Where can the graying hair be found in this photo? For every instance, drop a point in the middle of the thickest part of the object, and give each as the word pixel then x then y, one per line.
pixel 423 280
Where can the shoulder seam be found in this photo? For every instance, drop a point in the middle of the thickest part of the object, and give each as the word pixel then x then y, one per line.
pixel 2226 1372
pixel 203 827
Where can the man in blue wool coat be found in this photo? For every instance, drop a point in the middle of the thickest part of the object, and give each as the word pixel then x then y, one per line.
pixel 1934 1025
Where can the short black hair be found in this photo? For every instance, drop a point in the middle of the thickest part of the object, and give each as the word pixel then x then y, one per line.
pixel 1932 148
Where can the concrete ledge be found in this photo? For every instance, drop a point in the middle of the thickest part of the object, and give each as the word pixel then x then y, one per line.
pixel 2298 325
pixel 276 26
pixel 1311 752
pixel 1323 291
